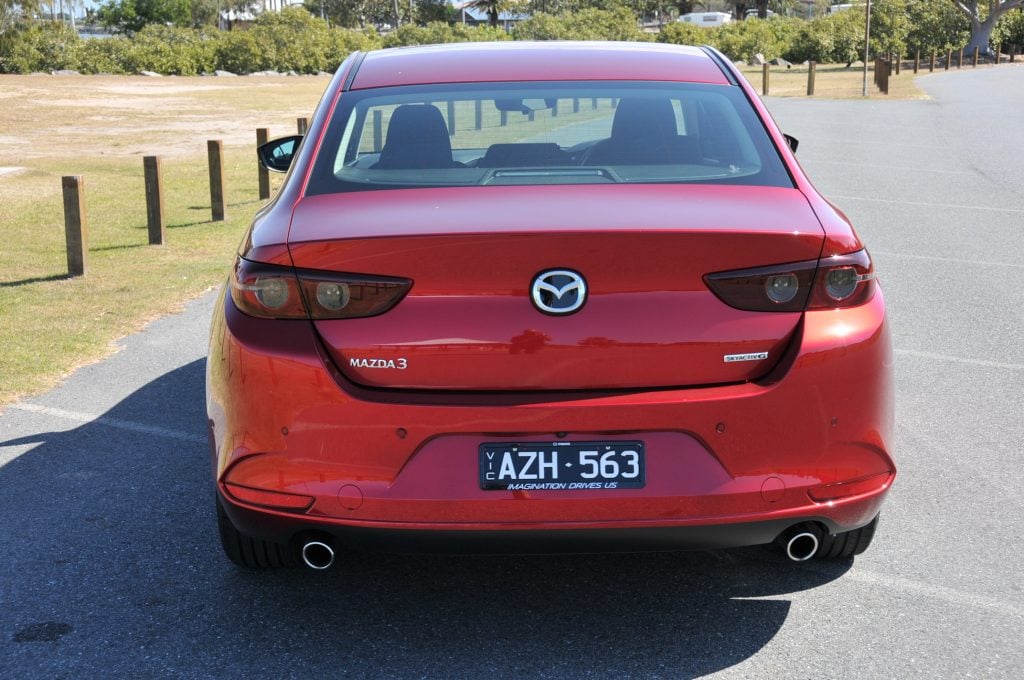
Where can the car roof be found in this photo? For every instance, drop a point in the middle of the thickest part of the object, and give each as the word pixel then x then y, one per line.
pixel 514 61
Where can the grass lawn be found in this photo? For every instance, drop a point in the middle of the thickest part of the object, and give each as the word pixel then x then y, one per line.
pixel 833 81
pixel 101 127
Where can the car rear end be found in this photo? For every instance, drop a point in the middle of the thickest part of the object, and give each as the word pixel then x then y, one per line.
pixel 563 312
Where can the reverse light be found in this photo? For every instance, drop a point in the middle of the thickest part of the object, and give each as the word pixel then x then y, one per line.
pixel 277 292
pixel 828 283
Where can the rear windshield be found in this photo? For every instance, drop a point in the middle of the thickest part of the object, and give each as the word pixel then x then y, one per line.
pixel 545 133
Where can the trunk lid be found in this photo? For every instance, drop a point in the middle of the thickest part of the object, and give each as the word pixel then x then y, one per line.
pixel 469 322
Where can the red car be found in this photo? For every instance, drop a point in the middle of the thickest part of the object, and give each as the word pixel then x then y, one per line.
pixel 547 297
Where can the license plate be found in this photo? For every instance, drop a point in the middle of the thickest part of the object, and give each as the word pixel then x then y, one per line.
pixel 558 466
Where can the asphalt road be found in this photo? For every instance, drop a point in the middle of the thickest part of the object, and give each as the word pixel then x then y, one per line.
pixel 111 566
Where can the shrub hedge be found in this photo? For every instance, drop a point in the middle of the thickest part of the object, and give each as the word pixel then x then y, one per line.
pixel 294 40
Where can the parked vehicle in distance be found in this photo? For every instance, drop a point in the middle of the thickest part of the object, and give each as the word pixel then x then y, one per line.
pixel 706 19
pixel 546 297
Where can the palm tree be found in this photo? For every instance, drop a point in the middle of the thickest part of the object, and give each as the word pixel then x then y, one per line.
pixel 489 6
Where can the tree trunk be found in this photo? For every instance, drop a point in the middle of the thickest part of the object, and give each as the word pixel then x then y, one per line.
pixel 492 16
pixel 981 34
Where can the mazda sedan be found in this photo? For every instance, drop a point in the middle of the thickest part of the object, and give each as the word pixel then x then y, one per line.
pixel 546 297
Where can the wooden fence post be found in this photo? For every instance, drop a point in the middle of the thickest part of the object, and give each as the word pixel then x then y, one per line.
pixel 504 118
pixel 811 68
pixel 76 228
pixel 899 61
pixel 764 79
pixel 154 200
pixel 593 103
pixel 478 111
pixel 917 61
pixel 554 110
pixel 215 154
pixel 975 61
pixel 576 105
pixel 999 52
pixel 451 119
pixel 262 137
pixel 949 58
pixel 960 59
pixel 1013 52
pixel 302 125
pixel 378 130
pixel 931 65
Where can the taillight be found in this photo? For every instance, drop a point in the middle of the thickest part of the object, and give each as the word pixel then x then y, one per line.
pixel 828 283
pixel 276 292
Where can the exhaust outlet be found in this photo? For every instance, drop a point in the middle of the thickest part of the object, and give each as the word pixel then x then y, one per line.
pixel 317 555
pixel 802 546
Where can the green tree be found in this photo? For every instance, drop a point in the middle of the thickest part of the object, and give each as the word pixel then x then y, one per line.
pixel 129 16
pixel 983 17
pixel 1010 29
pixel 890 26
pixel 935 25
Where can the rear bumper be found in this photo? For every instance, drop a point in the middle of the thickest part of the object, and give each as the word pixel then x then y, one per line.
pixel 391 537
pixel 727 466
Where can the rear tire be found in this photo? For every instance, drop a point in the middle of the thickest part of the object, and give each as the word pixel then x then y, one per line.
pixel 847 544
pixel 249 552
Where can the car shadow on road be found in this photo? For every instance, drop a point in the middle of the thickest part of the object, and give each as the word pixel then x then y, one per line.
pixel 112 563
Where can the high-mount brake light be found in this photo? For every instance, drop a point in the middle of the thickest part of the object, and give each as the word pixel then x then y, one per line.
pixel 277 292
pixel 829 283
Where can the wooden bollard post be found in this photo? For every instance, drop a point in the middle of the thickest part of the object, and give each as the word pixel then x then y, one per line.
pixel 593 103
pixel 811 68
pixel 215 154
pixel 154 200
pixel 576 105
pixel 1013 53
pixel 554 110
pixel 504 118
pixel 931 65
pixel 478 114
pixel 302 125
pixel 960 59
pixel 451 119
pixel 532 115
pixel 76 228
pixel 999 49
pixel 899 60
pixel 378 129
pixel 949 58
pixel 974 63
pixel 262 137
pixel 917 62
pixel 765 73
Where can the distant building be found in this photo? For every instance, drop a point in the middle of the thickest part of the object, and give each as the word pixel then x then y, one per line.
pixel 242 18
pixel 706 19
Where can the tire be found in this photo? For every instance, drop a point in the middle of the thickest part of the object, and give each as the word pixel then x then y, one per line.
pixel 847 544
pixel 248 552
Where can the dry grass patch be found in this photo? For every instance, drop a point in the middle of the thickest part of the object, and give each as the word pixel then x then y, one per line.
pixel 100 127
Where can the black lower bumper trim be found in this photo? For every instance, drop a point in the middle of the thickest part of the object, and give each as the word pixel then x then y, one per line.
pixel 512 541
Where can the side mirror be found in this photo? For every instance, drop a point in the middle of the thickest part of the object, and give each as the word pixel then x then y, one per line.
pixel 792 141
pixel 276 155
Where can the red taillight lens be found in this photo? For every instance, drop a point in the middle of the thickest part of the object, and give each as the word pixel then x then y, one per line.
pixel 843 281
pixel 348 296
pixel 276 292
pixel 266 291
pixel 837 281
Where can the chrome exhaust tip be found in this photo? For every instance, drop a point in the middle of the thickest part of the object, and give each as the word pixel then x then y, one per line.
pixel 802 546
pixel 317 555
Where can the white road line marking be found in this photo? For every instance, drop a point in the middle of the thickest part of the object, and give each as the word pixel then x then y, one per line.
pixel 951 595
pixel 979 263
pixel 109 422
pixel 959 360
pixel 954 206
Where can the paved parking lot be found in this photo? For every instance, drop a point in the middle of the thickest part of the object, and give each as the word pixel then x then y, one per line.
pixel 111 563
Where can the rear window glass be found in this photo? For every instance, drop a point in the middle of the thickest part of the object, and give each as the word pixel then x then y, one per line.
pixel 487 134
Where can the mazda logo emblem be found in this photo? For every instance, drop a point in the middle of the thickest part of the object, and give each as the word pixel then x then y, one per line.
pixel 558 291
